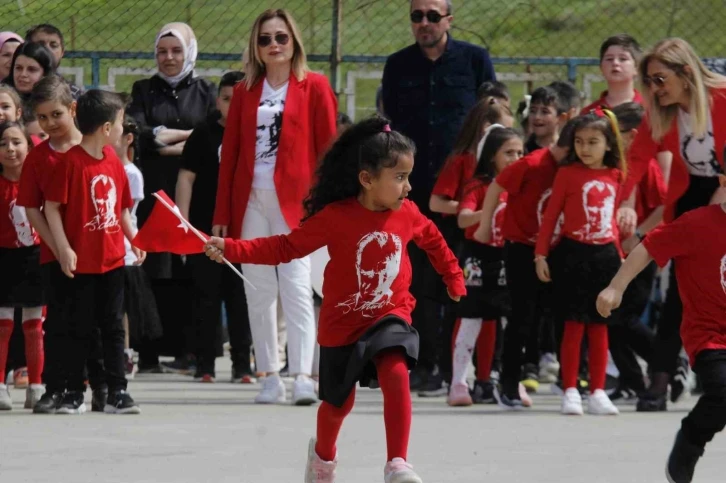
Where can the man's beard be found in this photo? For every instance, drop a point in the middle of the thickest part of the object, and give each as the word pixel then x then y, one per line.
pixel 433 42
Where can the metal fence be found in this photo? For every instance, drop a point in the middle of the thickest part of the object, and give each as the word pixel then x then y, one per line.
pixel 110 43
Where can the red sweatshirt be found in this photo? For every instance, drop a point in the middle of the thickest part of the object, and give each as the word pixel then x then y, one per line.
pixel 473 198
pixel 457 171
pixel 587 199
pixel 651 191
pixel 369 272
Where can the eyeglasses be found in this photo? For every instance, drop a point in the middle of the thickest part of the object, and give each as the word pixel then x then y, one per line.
pixel 266 40
pixel 656 80
pixel 432 16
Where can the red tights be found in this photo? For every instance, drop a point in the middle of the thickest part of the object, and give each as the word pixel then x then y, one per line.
pixel 597 335
pixel 33 331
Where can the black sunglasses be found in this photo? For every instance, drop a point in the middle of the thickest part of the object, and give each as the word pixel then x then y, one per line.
pixel 432 16
pixel 266 40
pixel 656 80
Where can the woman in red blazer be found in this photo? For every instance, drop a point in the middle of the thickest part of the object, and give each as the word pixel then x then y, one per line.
pixel 686 115
pixel 281 120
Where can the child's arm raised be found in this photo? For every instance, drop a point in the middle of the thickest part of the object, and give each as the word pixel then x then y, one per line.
pixel 66 255
pixel 428 238
pixel 484 233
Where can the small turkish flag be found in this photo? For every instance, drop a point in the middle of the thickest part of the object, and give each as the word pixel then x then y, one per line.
pixel 166 231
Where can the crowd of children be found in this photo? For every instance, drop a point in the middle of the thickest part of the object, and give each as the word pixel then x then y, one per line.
pixel 544 222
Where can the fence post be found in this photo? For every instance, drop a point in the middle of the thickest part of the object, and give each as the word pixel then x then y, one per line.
pixel 335 57
pixel 95 70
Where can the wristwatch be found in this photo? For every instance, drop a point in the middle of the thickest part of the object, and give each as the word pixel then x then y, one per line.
pixel 639 235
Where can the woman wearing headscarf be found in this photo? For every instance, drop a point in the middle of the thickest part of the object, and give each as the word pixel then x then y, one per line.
pixel 9 42
pixel 167 107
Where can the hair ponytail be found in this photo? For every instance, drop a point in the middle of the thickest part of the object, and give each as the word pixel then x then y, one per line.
pixel 618 140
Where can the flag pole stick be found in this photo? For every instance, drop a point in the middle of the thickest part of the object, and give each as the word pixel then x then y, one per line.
pixel 201 237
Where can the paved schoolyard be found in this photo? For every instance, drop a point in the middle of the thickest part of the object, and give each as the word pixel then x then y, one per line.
pixel 190 432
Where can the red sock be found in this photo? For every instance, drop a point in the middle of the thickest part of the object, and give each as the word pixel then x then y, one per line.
pixel 570 353
pixel 33 331
pixel 457 325
pixel 393 377
pixel 485 346
pixel 330 420
pixel 6 330
pixel 597 336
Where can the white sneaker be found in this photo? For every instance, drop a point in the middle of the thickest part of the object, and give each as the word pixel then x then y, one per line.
pixel 303 391
pixel 549 368
pixel 6 402
pixel 273 391
pixel 599 403
pixel 317 470
pixel 399 471
pixel 572 402
pixel 33 394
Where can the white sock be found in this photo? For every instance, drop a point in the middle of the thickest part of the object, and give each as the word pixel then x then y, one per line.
pixel 464 347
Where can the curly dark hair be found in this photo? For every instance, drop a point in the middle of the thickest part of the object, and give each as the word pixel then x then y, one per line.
pixel 366 146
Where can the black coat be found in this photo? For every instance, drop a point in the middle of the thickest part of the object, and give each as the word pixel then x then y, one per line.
pixel 155 103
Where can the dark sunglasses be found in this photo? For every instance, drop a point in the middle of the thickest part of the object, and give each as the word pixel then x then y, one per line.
pixel 656 80
pixel 266 40
pixel 432 16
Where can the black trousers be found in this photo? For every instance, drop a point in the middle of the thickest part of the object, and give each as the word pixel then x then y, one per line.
pixel 95 302
pixel 628 335
pixel 55 337
pixel 667 344
pixel 527 294
pixel 708 416
pixel 426 315
pixel 16 349
pixel 213 284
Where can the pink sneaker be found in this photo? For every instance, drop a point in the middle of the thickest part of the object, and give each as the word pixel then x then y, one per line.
pixel 319 471
pixel 524 396
pixel 459 396
pixel 399 471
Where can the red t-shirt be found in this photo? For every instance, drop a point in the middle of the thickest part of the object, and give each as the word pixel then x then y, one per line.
pixel 457 171
pixel 637 98
pixel 696 241
pixel 527 182
pixel 473 198
pixel 38 170
pixel 15 229
pixel 651 191
pixel 587 198
pixel 369 272
pixel 94 192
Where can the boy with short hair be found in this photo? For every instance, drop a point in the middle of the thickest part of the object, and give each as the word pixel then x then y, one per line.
pixel 88 213
pixel 619 56
pixel 549 110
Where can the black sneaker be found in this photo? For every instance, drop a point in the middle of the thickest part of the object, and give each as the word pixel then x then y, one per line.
pixel 120 402
pixel 682 460
pixel 73 403
pixel 98 401
pixel 649 403
pixel 434 386
pixel 624 394
pixel 509 402
pixel 483 393
pixel 48 403
pixel 417 378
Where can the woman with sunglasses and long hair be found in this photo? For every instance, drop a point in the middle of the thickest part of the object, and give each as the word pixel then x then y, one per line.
pixel 281 120
pixel 686 115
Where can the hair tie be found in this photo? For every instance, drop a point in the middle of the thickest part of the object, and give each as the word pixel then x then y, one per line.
pixel 387 128
pixel 480 146
pixel 598 111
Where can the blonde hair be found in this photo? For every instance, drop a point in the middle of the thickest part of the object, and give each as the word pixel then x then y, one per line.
pixel 255 68
pixel 679 56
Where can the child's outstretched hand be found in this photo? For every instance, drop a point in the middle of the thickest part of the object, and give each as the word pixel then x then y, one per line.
pixel 456 298
pixel 543 270
pixel 609 300
pixel 214 249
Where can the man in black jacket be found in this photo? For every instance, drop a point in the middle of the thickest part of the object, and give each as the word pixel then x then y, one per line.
pixel 428 88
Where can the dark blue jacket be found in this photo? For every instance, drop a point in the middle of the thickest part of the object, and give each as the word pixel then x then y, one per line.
pixel 427 101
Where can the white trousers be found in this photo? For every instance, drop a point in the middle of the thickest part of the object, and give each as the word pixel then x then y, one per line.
pixel 264 218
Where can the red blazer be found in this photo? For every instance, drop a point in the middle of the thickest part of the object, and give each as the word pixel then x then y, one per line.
pixel 308 127
pixel 644 148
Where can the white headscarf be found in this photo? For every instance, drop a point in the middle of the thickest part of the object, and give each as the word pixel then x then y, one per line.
pixel 480 146
pixel 184 34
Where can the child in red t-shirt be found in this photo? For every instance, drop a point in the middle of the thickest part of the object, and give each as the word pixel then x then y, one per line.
pixel 696 242
pixel 20 282
pixel 365 321
pixel 88 213
pixel 487 299
pixel 585 191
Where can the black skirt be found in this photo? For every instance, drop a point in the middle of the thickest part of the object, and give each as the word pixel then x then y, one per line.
pixel 342 367
pixel 140 306
pixel 579 273
pixel 21 282
pixel 487 296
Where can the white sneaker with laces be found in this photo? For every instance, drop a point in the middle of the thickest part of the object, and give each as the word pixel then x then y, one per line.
pixel 600 404
pixel 303 391
pixel 6 402
pixel 399 471
pixel 572 402
pixel 33 395
pixel 273 391
pixel 317 470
